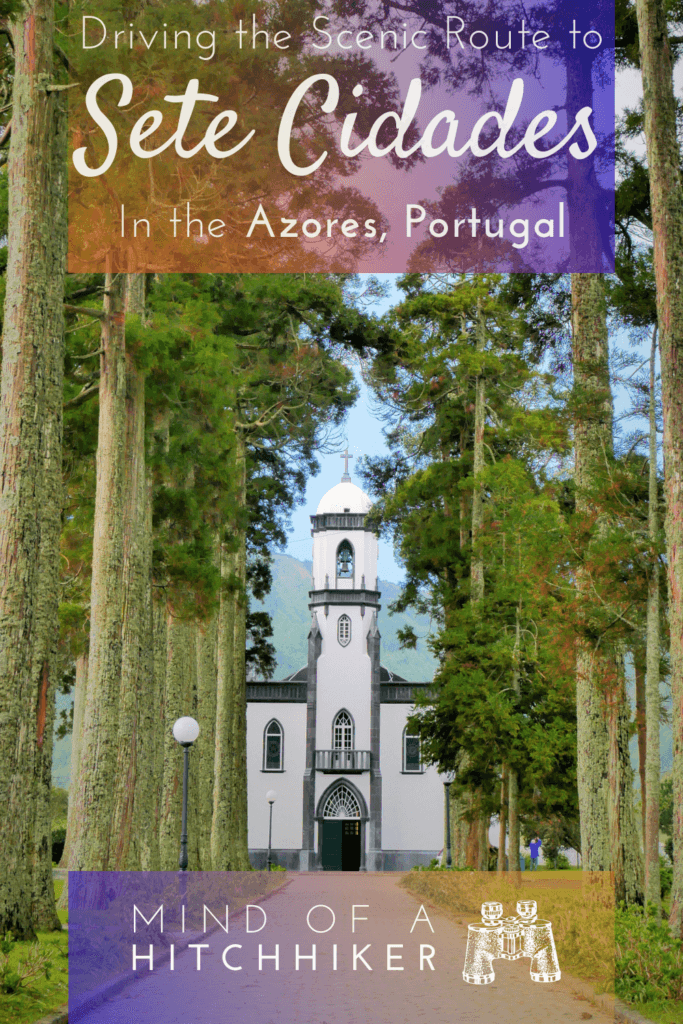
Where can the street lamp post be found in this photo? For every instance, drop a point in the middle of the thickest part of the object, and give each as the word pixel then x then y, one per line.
pixel 185 731
pixel 271 797
pixel 447 787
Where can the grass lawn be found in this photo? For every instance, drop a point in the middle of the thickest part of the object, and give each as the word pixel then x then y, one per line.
pixel 663 1013
pixel 63 915
pixel 38 995
pixel 580 907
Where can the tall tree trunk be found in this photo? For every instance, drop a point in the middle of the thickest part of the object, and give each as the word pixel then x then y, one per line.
pixel 477 852
pixel 239 856
pixel 639 662
pixel 30 462
pixel 191 708
pixel 502 820
pixel 513 821
pixel 477 563
pixel 76 732
pixel 161 724
pixel 652 701
pixel 181 670
pixel 513 777
pixel 223 753
pixel 473 854
pixel 206 717
pixel 666 197
pixel 145 819
pixel 626 861
pixel 229 849
pixel 91 849
pixel 44 909
pixel 605 780
pixel 484 825
pixel 592 445
pixel 460 826
pixel 132 818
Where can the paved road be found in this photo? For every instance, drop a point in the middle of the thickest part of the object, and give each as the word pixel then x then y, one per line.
pixel 216 995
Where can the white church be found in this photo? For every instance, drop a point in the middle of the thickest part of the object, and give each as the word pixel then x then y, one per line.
pixel 332 740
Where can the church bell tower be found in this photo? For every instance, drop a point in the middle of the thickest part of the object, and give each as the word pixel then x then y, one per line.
pixel 342 781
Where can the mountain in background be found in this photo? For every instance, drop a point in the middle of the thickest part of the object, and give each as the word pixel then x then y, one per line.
pixel 288 606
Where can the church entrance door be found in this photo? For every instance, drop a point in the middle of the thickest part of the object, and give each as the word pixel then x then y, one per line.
pixel 341 845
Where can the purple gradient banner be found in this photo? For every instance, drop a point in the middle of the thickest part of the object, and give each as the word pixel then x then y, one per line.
pixel 212 947
pixel 364 136
pixel 334 948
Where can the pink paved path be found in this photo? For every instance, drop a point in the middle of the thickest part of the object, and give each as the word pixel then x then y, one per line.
pixel 216 995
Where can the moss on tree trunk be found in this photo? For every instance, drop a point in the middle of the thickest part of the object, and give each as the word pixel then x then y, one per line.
pixel 181 669
pixel 229 848
pixel 133 824
pixel 666 198
pixel 650 794
pixel 30 470
pixel 205 746
pixel 94 791
pixel 626 860
pixel 604 776
pixel 592 445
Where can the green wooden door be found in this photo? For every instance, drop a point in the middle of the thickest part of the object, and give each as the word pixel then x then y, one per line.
pixel 332 845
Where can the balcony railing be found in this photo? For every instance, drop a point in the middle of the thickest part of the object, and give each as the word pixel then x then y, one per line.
pixel 343 760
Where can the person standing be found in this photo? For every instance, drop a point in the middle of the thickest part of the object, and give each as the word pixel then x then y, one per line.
pixel 534 847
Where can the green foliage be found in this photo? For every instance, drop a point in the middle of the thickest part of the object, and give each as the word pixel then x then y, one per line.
pixel 40 994
pixel 556 832
pixel 59 805
pixel 451 332
pixel 260 653
pixel 14 975
pixel 649 961
pixel 666 806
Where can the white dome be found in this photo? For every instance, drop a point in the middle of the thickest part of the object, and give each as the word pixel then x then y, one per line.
pixel 344 497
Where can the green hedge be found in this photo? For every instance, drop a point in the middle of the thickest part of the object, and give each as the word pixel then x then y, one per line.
pixel 649 961
pixel 58 840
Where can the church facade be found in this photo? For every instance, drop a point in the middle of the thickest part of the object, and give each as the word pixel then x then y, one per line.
pixel 332 739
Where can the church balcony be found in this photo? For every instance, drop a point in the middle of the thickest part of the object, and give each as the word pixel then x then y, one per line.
pixel 364 598
pixel 347 761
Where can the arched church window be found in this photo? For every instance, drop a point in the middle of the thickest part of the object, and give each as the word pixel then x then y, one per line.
pixel 412 761
pixel 273 743
pixel 344 561
pixel 342 732
pixel 342 803
pixel 344 630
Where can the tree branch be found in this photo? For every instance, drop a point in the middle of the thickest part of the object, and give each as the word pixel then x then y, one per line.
pixel 98 314
pixel 82 396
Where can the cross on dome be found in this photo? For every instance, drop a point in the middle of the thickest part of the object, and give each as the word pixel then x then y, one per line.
pixel 345 456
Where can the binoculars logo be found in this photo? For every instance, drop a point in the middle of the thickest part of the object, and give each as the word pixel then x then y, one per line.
pixel 509 938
